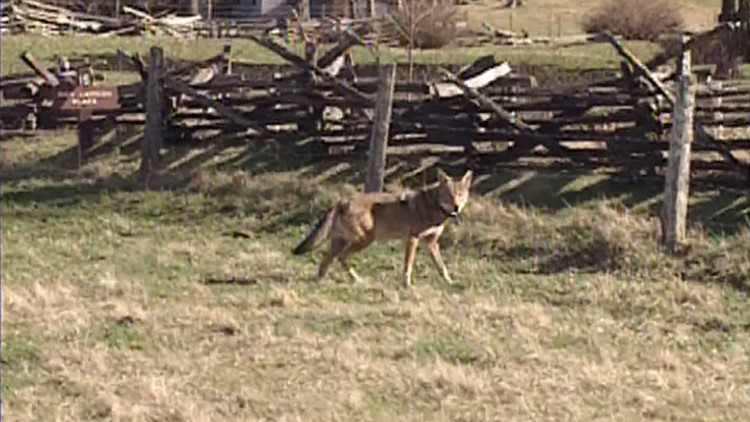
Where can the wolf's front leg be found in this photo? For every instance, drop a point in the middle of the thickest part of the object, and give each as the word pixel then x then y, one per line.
pixel 411 248
pixel 437 258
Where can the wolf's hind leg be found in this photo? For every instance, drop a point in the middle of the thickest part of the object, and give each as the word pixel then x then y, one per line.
pixel 337 246
pixel 347 253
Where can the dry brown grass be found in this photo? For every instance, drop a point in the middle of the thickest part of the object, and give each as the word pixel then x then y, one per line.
pixel 444 356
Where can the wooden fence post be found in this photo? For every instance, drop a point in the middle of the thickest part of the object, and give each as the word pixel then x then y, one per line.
pixel 152 136
pixel 677 184
pixel 743 14
pixel 380 125
pixel 728 11
pixel 304 12
pixel 85 129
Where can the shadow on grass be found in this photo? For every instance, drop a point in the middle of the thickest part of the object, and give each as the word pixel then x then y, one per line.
pixel 715 209
pixel 300 196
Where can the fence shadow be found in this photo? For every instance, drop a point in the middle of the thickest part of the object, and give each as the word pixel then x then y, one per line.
pixel 716 209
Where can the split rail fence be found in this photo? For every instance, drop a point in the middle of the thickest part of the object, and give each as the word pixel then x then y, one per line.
pixel 483 115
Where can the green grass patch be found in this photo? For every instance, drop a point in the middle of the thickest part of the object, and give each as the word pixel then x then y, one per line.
pixel 21 356
pixel 454 350
pixel 103 51
pixel 121 333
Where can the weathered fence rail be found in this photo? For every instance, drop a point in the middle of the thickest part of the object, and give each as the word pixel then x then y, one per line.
pixel 619 124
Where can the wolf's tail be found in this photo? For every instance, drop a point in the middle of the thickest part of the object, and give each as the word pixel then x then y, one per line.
pixel 319 234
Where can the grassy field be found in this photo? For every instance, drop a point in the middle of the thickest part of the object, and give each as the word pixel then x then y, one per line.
pixel 129 305
pixel 578 57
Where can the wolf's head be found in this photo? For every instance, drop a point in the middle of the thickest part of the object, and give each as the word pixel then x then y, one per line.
pixel 453 194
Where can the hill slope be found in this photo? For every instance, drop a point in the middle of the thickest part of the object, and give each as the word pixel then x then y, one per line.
pixel 553 17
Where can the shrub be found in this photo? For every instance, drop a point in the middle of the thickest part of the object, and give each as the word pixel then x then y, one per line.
pixel 635 19
pixel 435 22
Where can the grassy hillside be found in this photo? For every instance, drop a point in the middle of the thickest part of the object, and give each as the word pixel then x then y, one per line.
pixel 550 17
pixel 126 305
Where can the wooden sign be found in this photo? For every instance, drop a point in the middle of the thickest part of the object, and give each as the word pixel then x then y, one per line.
pixel 88 98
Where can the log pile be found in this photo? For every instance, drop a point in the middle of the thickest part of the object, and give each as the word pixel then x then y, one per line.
pixel 39 17
pixel 33 16
pixel 170 24
pixel 492 35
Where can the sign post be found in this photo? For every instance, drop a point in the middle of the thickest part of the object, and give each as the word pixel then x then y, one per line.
pixel 84 100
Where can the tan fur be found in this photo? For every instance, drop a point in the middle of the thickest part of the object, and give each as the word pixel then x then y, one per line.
pixel 353 224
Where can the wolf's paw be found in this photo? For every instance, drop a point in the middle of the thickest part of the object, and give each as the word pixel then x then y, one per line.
pixel 406 283
pixel 410 294
pixel 317 278
pixel 354 277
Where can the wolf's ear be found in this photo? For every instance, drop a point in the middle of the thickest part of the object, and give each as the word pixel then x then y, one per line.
pixel 466 180
pixel 442 177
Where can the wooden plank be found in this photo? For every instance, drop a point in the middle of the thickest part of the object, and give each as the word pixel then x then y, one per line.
pixel 119 31
pixel 487 103
pixel 151 20
pixel 727 122
pixel 348 41
pixel 207 101
pixel 204 75
pixel 137 61
pixel 722 148
pixel 720 106
pixel 448 135
pixel 677 181
pixel 152 137
pixel 641 68
pixel 44 73
pixel 223 57
pixel 704 91
pixel 447 90
pixel 75 15
pixel 477 67
pixel 381 122
pixel 344 88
